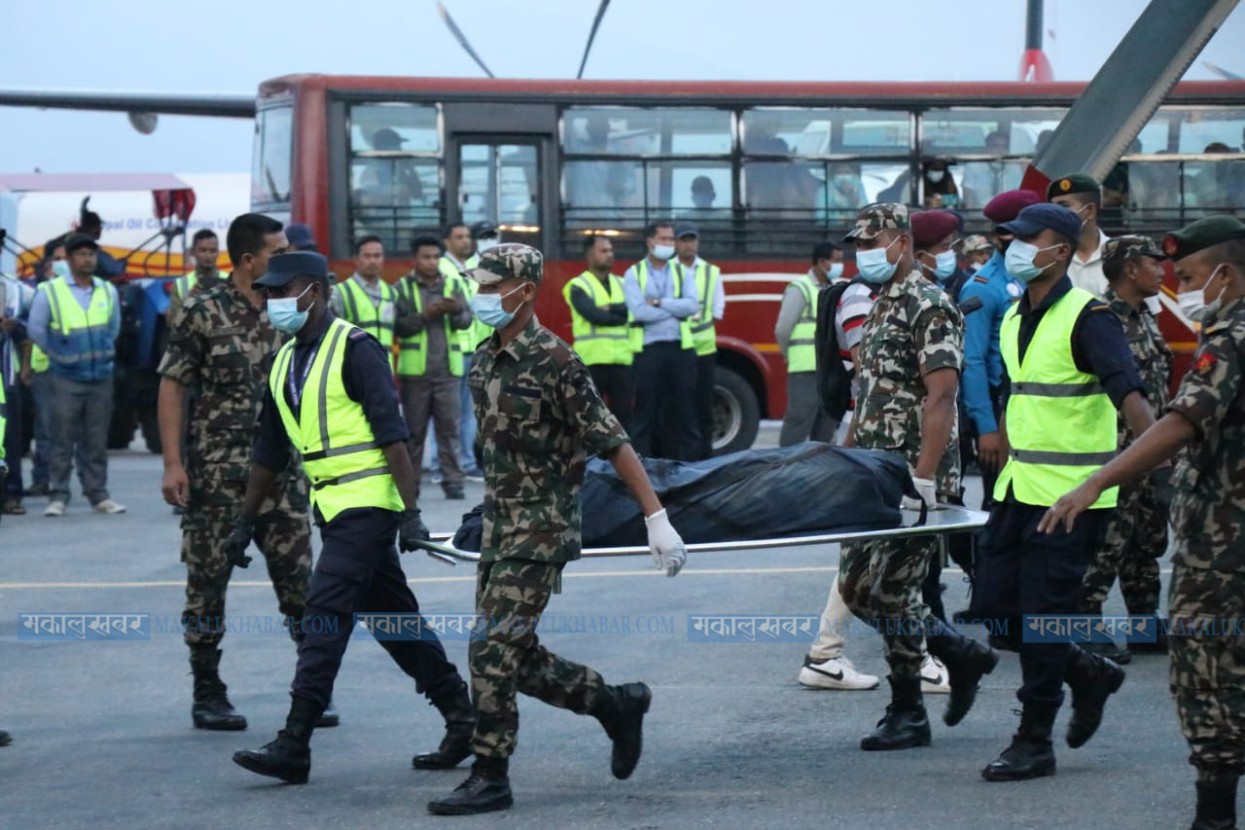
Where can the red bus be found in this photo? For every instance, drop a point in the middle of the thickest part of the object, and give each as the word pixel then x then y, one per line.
pixel 549 161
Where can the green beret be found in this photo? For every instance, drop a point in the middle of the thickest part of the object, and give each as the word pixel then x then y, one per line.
pixel 1076 183
pixel 1202 234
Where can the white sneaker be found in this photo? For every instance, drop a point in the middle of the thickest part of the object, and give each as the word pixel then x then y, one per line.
pixel 835 673
pixel 108 507
pixel 54 508
pixel 934 677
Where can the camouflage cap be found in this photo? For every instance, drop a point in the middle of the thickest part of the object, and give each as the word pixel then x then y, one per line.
pixel 1075 183
pixel 1204 233
pixel 1123 248
pixel 877 217
pixel 506 261
pixel 975 242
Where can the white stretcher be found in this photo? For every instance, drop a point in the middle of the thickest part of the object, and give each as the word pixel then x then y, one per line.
pixel 940 522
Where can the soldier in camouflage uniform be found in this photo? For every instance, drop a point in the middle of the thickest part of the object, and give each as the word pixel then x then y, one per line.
pixel 910 354
pixel 539 415
pixel 1137 532
pixel 1206 598
pixel 221 353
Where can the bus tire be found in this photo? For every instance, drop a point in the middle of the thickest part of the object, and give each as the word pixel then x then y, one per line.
pixel 736 413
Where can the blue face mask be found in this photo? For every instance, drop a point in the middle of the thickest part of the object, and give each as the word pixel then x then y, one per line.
pixel 873 265
pixel 1018 262
pixel 836 270
pixel 944 265
pixel 284 315
pixel 60 268
pixel 487 309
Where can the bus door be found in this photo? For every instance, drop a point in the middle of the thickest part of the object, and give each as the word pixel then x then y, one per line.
pixel 501 176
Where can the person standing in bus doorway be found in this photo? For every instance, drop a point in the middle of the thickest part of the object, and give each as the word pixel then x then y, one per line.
pixel 666 424
pixel 430 360
pixel 365 299
pixel 1136 535
pixel 1082 195
pixel 805 420
pixel 205 251
pixel 538 403
pixel 75 321
pixel 220 352
pixel 15 301
pixel 330 397
pixel 1206 598
pixel 712 298
pixel 1067 370
pixel 601 327
pixel 909 362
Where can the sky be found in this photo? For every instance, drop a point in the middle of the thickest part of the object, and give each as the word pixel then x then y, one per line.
pixel 231 46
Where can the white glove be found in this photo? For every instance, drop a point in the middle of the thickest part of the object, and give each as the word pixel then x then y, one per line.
pixel 928 493
pixel 665 543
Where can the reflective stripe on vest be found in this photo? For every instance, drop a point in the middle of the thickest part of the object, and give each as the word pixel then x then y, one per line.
pixel 599 345
pixel 802 351
pixel 685 325
pixel 84 345
pixel 364 312
pixel 1060 422
pixel 413 350
pixel 704 332
pixel 183 285
pixel 331 432
pixel 479 331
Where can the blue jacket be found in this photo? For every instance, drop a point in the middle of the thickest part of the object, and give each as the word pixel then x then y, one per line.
pixel 983 362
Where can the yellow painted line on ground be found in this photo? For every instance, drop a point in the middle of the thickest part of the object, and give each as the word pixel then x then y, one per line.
pixel 432 580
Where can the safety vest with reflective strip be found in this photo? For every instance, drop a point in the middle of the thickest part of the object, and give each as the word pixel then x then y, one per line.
pixel 802 351
pixel 79 341
pixel 331 432
pixel 186 283
pixel 685 325
pixel 704 332
pixel 361 310
pixel 599 345
pixel 479 331
pixel 413 350
pixel 1060 422
pixel 38 359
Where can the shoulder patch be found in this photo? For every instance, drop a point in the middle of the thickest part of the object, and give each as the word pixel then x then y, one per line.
pixel 1098 306
pixel 358 334
pixel 1204 363
pixel 981 280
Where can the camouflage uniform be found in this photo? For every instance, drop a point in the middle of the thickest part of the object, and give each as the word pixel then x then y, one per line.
pixel 221 352
pixel 913 329
pixel 1208 575
pixel 536 403
pixel 1136 536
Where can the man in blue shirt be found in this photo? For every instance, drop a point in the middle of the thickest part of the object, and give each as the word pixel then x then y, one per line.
pixel 664 424
pixel 75 320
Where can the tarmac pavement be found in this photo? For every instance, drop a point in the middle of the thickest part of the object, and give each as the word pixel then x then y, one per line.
pixel 103 738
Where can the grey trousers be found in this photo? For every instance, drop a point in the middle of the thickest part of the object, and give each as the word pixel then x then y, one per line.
pixel 80 415
pixel 436 398
pixel 804 419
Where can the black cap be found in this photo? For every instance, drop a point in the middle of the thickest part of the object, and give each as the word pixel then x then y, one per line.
pixel 1204 233
pixel 300 238
pixel 80 240
pixel 683 229
pixel 482 229
pixel 1076 183
pixel 283 268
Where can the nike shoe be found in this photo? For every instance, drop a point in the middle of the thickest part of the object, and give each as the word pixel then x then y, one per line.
pixel 934 677
pixel 836 673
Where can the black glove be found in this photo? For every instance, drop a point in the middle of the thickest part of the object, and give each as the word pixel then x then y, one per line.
pixel 239 539
pixel 411 531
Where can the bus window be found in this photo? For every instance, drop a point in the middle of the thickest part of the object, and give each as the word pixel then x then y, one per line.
pixel 806 133
pixel 631 131
pixel 1200 128
pixel 991 147
pixel 499 183
pixel 395 171
pixel 272 157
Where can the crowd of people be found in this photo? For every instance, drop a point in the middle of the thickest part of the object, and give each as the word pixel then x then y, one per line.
pixel 288 397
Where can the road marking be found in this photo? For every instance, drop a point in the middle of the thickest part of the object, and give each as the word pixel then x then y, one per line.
pixel 432 580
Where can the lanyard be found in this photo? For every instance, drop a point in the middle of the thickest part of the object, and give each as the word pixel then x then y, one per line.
pixel 297 387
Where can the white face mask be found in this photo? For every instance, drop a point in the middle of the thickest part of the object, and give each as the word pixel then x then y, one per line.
pixel 1193 304
pixel 488 243
pixel 936 176
pixel 663 251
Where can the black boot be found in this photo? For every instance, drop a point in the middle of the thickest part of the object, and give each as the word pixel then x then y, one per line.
pixel 460 721
pixel 487 789
pixel 1120 655
pixel 905 724
pixel 211 708
pixel 623 719
pixel 1159 646
pixel 329 718
pixel 1031 754
pixel 289 756
pixel 1216 801
pixel 1092 679
pixel 967 661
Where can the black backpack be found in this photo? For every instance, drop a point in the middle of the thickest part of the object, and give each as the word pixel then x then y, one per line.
pixel 834 381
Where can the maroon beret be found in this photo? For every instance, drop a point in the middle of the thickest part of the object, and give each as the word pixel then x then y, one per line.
pixel 929 227
pixel 1007 205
